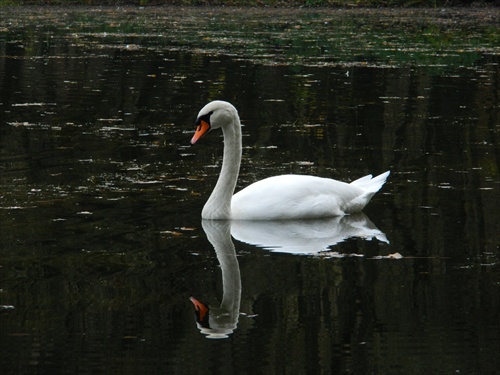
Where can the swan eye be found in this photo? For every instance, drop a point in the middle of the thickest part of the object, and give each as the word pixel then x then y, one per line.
pixel 205 118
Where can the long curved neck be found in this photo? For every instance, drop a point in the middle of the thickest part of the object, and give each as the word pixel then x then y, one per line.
pixel 218 205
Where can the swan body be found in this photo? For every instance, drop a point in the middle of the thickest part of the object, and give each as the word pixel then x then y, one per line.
pixel 279 197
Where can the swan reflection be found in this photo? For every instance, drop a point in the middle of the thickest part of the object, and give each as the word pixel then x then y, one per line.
pixel 219 322
pixel 305 236
pixel 290 236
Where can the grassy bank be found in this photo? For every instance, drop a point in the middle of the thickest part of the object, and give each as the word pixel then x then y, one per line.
pixel 273 3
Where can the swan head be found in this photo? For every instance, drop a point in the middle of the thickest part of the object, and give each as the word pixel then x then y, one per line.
pixel 216 114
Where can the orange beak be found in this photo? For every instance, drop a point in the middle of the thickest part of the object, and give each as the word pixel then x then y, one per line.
pixel 201 308
pixel 201 130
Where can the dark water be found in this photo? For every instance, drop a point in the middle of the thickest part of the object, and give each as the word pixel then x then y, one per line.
pixel 102 244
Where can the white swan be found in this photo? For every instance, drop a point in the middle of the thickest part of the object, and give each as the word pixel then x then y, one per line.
pixel 278 197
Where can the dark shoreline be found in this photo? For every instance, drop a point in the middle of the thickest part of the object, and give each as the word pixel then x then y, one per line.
pixel 354 4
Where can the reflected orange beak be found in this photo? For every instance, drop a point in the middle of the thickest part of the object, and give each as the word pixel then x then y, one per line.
pixel 201 308
pixel 201 130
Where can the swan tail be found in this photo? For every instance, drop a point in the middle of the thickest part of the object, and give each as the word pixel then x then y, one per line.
pixel 369 184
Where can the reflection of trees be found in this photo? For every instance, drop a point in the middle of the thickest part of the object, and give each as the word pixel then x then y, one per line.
pixel 439 133
pixel 351 308
pixel 350 314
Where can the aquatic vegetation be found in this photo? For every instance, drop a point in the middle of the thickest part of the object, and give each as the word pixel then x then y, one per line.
pixel 437 38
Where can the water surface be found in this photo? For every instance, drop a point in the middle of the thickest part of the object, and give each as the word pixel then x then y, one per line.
pixel 102 243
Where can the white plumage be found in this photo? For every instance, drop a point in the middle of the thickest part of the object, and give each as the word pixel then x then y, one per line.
pixel 278 197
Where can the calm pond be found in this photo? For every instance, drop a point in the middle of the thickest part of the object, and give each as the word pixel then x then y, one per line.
pixel 102 244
